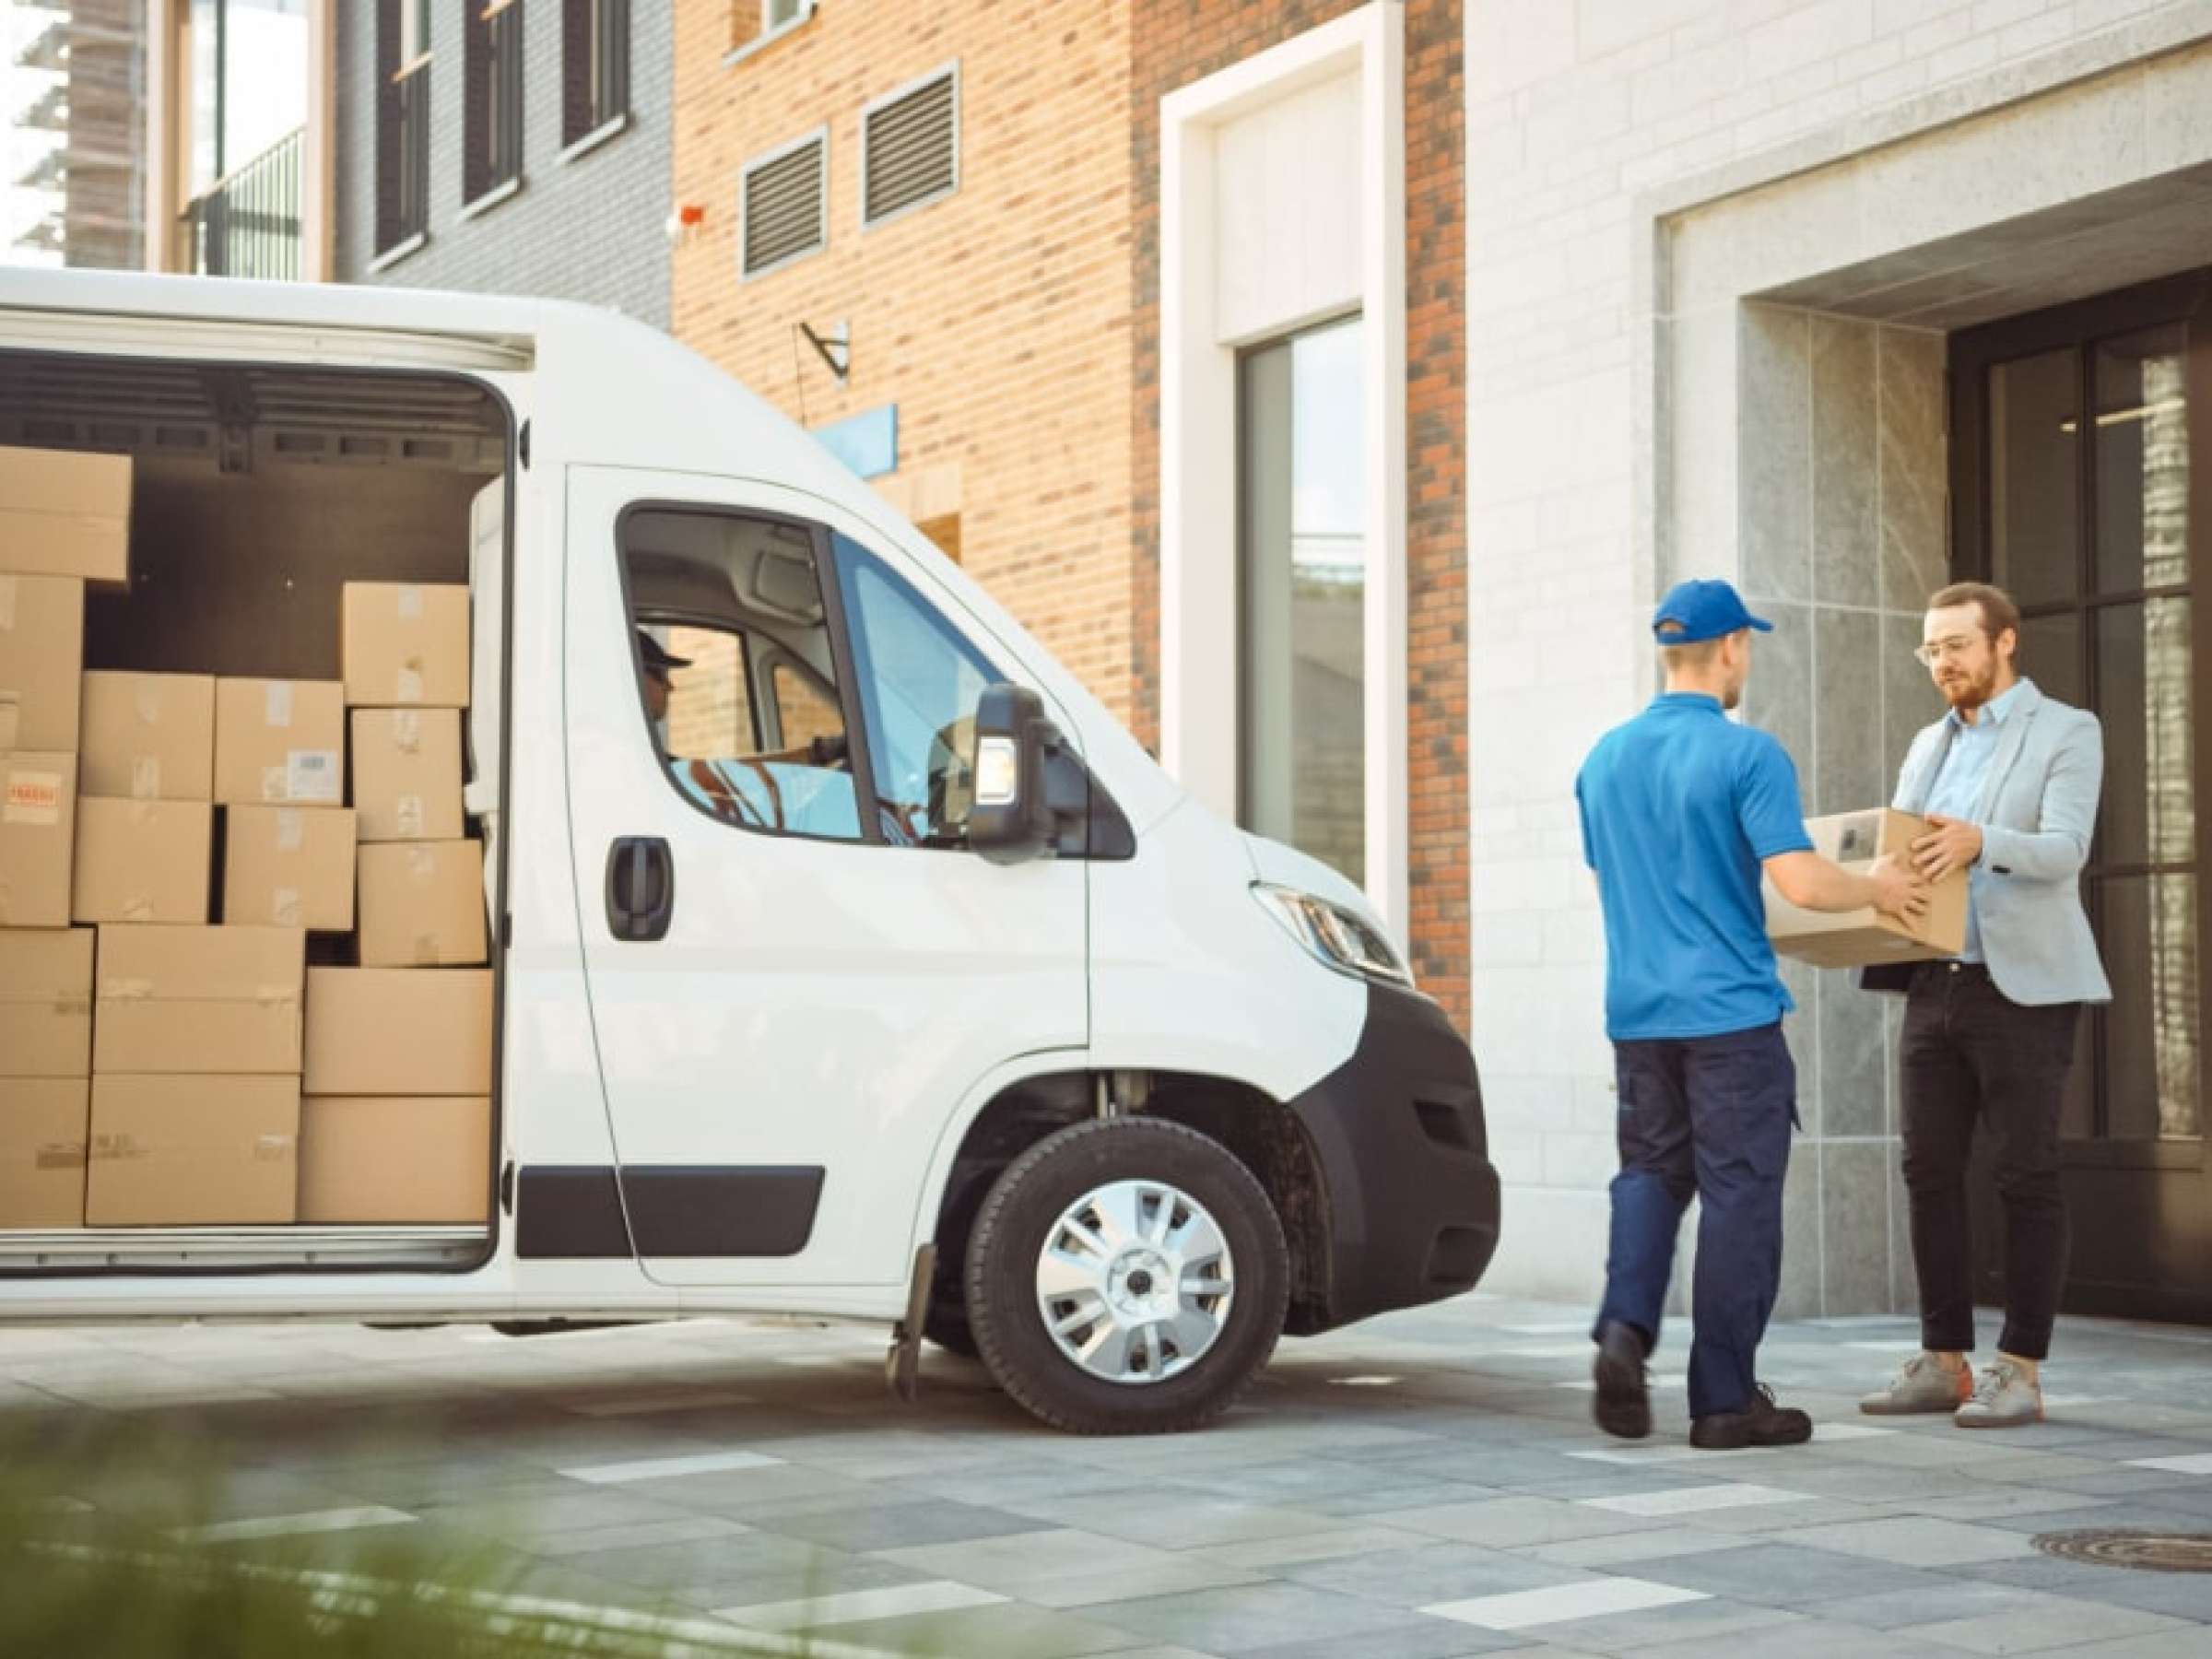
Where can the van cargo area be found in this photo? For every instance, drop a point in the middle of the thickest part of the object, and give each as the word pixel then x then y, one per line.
pixel 216 919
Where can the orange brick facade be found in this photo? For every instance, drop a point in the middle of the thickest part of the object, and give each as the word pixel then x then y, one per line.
pixel 1179 41
pixel 996 319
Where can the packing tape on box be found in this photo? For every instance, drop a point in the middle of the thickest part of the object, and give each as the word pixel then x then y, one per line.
pixel 410 602
pixel 273 1148
pixel 126 990
pixel 422 862
pixel 284 907
pixel 7 605
pixel 409 814
pixel 274 782
pixel 145 777
pixel 278 705
pixel 311 775
pixel 113 1146
pixel 59 1155
pixel 291 830
pixel 426 951
pixel 410 689
pixel 11 715
pixel 276 996
pixel 73 1004
pixel 138 907
pixel 406 731
pixel 142 812
pixel 146 704
pixel 33 798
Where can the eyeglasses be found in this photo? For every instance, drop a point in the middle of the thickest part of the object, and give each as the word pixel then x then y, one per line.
pixel 1934 650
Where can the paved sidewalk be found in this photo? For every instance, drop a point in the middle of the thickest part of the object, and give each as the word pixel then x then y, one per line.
pixel 1423 1486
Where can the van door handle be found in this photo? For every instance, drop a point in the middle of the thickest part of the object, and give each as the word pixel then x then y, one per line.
pixel 640 888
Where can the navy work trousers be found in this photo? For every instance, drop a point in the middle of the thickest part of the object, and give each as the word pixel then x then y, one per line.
pixel 1709 1116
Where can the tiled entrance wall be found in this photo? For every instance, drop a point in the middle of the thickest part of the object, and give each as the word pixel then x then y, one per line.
pixel 1797 417
pixel 1840 540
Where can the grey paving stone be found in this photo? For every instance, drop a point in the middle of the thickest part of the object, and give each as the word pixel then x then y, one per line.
pixel 1506 1523
pixel 1008 1632
pixel 892 1527
pixel 1911 1541
pixel 1435 1639
pixel 1432 1572
pixel 2181 1594
pixel 2042 1628
pixel 1781 1575
pixel 1251 1617
pixel 1717 1621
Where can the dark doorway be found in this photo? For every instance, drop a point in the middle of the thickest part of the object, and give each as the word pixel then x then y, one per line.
pixel 2081 482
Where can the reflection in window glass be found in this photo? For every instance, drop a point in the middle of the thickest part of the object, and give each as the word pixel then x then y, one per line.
pixel 2144 687
pixel 2149 947
pixel 2143 460
pixel 709 714
pixel 2033 486
pixel 1303 567
pixel 920 683
pixel 249 81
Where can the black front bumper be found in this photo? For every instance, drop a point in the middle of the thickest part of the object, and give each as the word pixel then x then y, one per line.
pixel 1398 1134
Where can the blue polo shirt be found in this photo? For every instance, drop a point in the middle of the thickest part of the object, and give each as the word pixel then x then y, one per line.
pixel 1678 807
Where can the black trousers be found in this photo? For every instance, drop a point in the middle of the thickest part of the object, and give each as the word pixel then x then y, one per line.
pixel 1970 1056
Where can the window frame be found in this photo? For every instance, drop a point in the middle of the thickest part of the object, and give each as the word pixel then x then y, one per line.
pixel 602 76
pixel 859 761
pixel 493 131
pixel 414 21
pixel 950 69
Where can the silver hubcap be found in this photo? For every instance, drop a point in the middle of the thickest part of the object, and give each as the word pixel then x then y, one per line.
pixel 1135 1281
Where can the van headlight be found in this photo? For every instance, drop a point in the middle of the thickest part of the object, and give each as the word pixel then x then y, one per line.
pixel 1333 934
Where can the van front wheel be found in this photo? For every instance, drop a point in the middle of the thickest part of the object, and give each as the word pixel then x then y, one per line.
pixel 1127 1276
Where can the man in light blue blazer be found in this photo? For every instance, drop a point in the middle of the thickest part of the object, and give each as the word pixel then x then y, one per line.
pixel 2008 780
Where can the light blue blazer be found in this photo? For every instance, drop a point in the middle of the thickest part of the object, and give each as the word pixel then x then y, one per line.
pixel 2038 811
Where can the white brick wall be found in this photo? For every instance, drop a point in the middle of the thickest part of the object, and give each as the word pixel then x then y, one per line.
pixel 1574 109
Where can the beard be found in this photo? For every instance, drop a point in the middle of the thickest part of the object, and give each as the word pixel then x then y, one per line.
pixel 1963 691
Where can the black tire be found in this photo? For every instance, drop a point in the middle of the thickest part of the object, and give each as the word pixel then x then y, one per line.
pixel 1010 1231
pixel 947 1326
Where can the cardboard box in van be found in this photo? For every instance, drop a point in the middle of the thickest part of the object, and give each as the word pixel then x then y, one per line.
pixel 395 1158
pixel 287 866
pixel 422 905
pixel 405 645
pixel 192 1151
pixel 41 657
pixel 199 1000
pixel 148 736
pixel 66 513
pixel 406 773
pixel 143 861
pixel 279 743
pixel 1862 938
pixel 398 1031
pixel 38 838
pixel 43 1124
pixel 46 1001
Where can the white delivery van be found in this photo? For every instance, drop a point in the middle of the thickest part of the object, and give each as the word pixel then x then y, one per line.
pixel 882 977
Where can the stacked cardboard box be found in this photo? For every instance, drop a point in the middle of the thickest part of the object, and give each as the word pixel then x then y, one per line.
pixel 45 1064
pixel 64 521
pixel 394 1131
pixel 195 1075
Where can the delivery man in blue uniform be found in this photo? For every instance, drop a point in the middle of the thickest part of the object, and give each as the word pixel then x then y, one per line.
pixel 1682 808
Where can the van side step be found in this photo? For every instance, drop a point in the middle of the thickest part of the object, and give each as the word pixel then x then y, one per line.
pixel 98 1249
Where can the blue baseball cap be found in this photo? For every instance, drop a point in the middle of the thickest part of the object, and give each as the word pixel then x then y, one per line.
pixel 1703 610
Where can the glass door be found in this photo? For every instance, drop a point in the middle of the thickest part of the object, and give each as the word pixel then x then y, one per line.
pixel 2081 479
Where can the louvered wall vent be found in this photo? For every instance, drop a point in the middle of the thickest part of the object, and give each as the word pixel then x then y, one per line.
pixel 785 203
pixel 910 146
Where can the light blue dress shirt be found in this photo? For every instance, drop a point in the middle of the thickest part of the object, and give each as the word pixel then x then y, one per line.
pixel 1958 789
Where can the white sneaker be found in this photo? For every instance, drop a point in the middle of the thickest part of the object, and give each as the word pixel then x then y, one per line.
pixel 2005 1396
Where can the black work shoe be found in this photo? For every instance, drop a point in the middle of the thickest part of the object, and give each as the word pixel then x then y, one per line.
pixel 1624 1401
pixel 1761 1423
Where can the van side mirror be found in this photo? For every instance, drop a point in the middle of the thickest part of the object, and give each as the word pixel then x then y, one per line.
pixel 1012 819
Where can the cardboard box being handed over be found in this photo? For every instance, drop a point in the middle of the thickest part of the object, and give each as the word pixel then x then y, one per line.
pixel 1862 938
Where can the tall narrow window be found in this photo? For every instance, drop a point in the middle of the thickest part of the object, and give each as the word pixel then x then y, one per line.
pixel 594 66
pixel 492 98
pixel 403 113
pixel 1301 599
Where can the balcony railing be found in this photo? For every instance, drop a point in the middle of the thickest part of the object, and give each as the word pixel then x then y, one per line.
pixel 248 225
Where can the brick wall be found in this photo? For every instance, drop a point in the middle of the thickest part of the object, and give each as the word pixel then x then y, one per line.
pixel 1179 41
pixel 995 318
pixel 589 229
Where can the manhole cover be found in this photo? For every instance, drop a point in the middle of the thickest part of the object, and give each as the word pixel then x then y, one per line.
pixel 2151 1551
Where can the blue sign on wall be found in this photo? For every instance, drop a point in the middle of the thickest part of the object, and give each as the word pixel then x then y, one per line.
pixel 867 442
